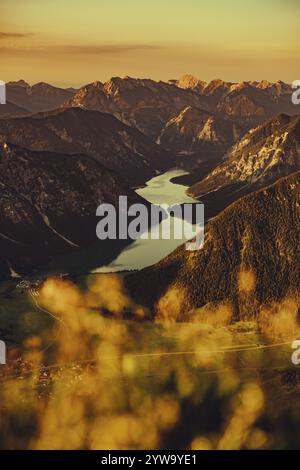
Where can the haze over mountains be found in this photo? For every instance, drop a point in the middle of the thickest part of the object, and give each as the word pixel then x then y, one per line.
pixel 36 98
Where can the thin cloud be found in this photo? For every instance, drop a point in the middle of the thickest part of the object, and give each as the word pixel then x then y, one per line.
pixel 14 35
pixel 71 49
pixel 101 49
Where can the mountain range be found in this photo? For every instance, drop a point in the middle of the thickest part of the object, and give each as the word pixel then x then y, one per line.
pixel 141 103
pixel 63 151
pixel 149 105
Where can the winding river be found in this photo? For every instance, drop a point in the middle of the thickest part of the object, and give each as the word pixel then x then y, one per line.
pixel 145 252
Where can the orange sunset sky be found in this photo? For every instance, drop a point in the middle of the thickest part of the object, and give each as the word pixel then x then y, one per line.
pixel 70 43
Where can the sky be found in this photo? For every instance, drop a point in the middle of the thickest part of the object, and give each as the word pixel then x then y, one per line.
pixel 74 42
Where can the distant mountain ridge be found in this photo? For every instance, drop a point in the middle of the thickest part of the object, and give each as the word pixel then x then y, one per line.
pixel 141 103
pixel 149 105
pixel 152 107
pixel 36 98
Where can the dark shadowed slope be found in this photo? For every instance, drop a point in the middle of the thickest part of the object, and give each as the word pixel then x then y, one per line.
pixel 10 110
pixel 250 258
pixel 119 147
pixel 48 205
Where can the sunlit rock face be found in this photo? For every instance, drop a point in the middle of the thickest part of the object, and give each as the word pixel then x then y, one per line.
pixel 193 129
pixel 261 156
pixel 141 103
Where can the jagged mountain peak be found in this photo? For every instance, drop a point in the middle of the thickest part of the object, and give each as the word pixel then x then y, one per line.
pixel 117 85
pixel 43 85
pixel 215 84
pixel 20 83
pixel 239 86
pixel 189 81
pixel 277 88
pixel 142 103
pixel 97 84
pixel 37 98
pixel 264 84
